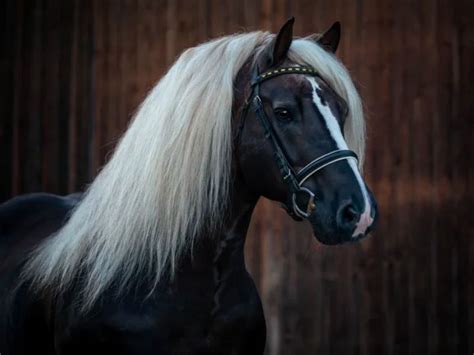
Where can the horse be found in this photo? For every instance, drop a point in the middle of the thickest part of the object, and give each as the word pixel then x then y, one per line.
pixel 150 259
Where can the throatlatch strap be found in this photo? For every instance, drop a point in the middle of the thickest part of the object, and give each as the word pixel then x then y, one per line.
pixel 286 171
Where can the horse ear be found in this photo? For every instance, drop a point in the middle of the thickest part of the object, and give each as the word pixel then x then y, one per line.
pixel 277 50
pixel 282 41
pixel 329 40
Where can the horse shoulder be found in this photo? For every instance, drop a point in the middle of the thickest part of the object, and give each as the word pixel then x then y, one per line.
pixel 27 219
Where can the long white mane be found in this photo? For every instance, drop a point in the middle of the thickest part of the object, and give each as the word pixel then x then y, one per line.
pixel 169 176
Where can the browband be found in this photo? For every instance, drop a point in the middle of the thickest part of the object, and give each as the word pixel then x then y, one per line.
pixel 280 71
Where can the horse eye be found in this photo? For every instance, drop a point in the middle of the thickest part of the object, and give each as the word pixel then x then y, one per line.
pixel 282 114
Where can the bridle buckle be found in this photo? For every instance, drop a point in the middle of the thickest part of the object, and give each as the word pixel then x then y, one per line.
pixel 288 174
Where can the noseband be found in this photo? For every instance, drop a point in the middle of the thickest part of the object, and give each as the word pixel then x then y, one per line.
pixel 294 179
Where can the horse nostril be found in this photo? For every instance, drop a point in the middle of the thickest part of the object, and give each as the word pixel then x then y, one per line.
pixel 348 216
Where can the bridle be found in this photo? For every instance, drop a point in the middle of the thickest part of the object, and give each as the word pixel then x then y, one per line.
pixel 294 179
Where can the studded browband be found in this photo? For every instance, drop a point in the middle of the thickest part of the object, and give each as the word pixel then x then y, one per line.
pixel 280 71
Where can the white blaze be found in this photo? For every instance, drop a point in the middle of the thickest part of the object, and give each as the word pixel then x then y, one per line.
pixel 334 129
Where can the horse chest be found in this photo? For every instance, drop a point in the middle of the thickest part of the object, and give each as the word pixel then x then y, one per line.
pixel 194 319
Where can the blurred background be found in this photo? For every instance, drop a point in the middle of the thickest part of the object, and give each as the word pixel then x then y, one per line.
pixel 73 72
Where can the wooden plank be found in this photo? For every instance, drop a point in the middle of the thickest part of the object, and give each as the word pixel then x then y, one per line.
pixel 74 105
pixel 85 119
pixel 17 84
pixel 100 79
pixel 50 98
pixel 464 52
pixel 27 142
pixel 7 92
pixel 447 262
pixel 66 21
pixel 114 20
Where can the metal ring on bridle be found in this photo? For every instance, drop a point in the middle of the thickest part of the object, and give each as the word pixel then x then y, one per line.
pixel 310 206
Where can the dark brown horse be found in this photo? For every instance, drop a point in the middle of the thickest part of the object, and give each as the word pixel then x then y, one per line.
pixel 150 259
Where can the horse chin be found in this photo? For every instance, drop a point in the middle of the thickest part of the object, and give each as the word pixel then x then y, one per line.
pixel 331 236
pixel 325 234
pixel 328 239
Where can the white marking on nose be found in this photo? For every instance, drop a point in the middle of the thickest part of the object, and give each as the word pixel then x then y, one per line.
pixel 366 219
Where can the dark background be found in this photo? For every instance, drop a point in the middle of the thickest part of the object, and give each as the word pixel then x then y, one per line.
pixel 73 72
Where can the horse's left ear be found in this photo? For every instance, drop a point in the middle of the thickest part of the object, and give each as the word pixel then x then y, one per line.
pixel 282 41
pixel 278 48
pixel 329 40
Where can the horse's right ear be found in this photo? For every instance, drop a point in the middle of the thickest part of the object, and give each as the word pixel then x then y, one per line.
pixel 278 48
pixel 329 40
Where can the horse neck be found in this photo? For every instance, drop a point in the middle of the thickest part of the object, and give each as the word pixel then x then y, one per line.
pixel 230 237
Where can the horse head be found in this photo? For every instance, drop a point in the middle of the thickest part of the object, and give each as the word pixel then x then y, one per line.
pixel 291 139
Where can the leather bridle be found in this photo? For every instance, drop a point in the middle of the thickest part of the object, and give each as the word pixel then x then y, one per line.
pixel 294 179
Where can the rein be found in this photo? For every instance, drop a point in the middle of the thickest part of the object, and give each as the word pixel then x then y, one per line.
pixel 293 179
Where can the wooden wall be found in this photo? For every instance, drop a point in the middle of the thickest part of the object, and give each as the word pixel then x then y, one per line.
pixel 73 72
